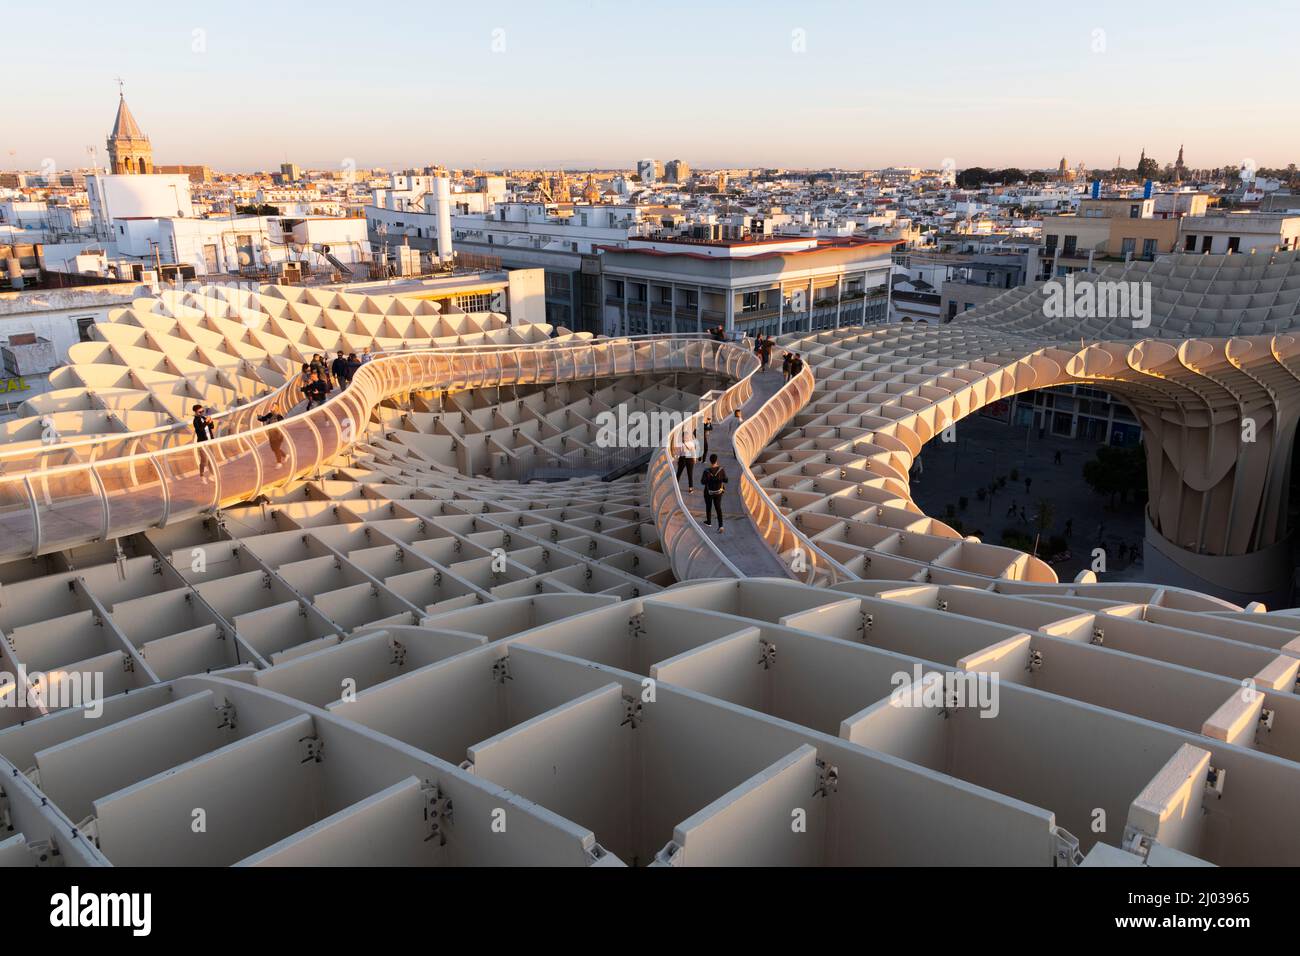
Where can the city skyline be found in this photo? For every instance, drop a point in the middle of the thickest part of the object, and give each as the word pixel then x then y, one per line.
pixel 463 88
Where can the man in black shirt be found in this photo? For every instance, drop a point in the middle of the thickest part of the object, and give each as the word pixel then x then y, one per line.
pixel 339 369
pixel 204 428
pixel 714 481
pixel 353 364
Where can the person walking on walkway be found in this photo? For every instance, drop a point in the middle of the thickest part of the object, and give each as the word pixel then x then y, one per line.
pixel 714 481
pixel 686 462
pixel 353 364
pixel 785 365
pixel 704 453
pixel 276 439
pixel 796 364
pixel 204 429
pixel 318 365
pixel 766 353
pixel 339 369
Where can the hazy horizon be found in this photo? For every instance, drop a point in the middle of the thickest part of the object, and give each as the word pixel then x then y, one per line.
pixel 519 85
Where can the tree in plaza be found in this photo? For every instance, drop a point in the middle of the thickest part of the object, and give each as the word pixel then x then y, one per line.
pixel 1117 473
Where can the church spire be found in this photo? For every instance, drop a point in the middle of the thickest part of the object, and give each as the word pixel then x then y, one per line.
pixel 129 150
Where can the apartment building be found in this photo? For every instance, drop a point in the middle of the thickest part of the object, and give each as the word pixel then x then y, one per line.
pixel 748 286
pixel 561 239
pixel 1240 232
pixel 564 240
pixel 197 173
pixel 650 170
pixel 1117 229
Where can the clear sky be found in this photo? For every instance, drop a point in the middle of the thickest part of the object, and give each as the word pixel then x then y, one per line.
pixel 246 85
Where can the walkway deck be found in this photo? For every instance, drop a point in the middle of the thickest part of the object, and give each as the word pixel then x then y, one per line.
pixel 740 541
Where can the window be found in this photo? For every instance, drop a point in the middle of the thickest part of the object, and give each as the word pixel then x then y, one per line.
pixel 84 324
pixel 1134 212
pixel 1189 245
pixel 1207 243
pixel 750 302
pixel 1051 242
pixel 1126 248
pixel 1234 243
pixel 1148 249
pixel 638 292
pixel 1070 242
pixel 558 284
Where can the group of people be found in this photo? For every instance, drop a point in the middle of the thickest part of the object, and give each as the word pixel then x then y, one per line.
pixel 205 429
pixel 714 478
pixel 763 349
pixel 320 377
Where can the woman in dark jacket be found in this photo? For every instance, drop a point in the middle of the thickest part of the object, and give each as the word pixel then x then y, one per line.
pixel 714 481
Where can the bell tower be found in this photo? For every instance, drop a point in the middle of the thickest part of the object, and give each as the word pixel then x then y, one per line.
pixel 129 150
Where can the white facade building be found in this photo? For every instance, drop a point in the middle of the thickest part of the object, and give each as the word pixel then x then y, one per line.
pixel 136 196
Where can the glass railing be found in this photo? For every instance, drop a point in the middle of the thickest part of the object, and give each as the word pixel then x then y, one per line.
pixel 693 553
pixel 804 560
pixel 57 507
pixel 60 451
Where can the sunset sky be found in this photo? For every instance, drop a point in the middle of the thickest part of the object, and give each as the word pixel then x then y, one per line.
pixel 244 85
